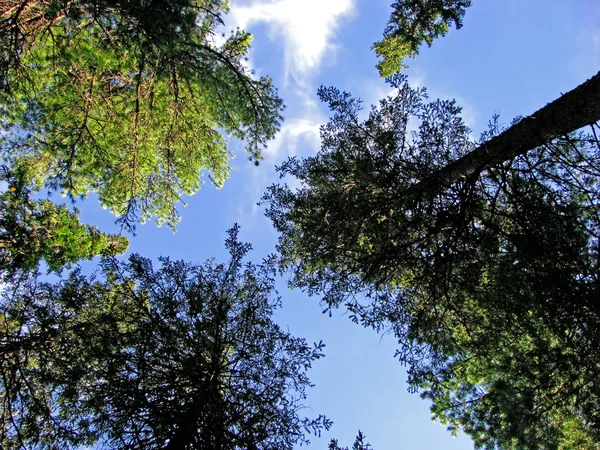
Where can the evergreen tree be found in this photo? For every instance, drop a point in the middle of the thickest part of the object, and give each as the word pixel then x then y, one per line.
pixel 489 280
pixel 128 99
pixel 412 23
pixel 32 231
pixel 566 114
pixel 181 357
pixel 359 443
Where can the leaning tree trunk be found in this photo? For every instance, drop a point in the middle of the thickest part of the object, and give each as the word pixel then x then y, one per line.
pixel 569 112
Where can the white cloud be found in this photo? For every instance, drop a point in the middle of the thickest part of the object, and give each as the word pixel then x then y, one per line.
pixel 306 29
pixel 293 133
pixel 297 136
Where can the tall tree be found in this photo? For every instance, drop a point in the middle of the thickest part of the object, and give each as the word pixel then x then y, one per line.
pixel 412 23
pixel 489 281
pixel 180 357
pixel 128 99
pixel 568 113
pixel 32 231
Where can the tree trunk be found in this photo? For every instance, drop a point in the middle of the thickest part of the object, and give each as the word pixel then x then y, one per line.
pixel 569 112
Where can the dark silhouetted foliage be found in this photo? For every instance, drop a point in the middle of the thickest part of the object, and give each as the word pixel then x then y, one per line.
pixel 359 443
pixel 490 282
pixel 180 357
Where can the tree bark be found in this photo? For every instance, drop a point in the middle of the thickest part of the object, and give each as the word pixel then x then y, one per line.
pixel 568 113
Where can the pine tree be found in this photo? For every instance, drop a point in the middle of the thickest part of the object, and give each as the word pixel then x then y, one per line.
pixel 130 100
pixel 180 357
pixel 412 23
pixel 489 280
pixel 32 231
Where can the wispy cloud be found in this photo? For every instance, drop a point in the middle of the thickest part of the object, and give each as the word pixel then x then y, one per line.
pixel 303 37
pixel 294 132
pixel 306 28
pixel 298 136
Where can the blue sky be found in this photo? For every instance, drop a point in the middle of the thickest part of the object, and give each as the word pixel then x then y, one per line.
pixel 511 57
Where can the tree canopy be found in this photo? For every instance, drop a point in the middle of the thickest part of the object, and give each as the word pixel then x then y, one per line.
pixel 32 231
pixel 412 23
pixel 130 100
pixel 490 282
pixel 359 443
pixel 481 257
pixel 184 356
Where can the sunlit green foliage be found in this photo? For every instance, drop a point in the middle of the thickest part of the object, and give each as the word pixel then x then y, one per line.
pixel 32 231
pixel 412 23
pixel 132 101
pixel 489 284
pixel 181 357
